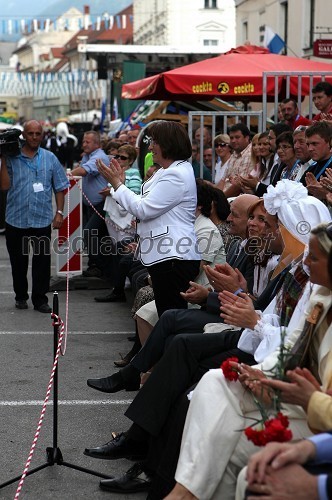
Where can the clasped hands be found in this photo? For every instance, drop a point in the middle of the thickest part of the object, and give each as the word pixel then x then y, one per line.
pixel 221 277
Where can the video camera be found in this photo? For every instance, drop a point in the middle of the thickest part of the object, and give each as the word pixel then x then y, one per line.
pixel 9 142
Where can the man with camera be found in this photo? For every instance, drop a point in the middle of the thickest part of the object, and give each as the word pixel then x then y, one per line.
pixel 30 175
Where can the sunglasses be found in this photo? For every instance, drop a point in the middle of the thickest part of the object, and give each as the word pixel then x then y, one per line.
pixel 121 157
pixel 221 144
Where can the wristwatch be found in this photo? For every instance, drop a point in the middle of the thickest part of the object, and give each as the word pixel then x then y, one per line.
pixel 59 212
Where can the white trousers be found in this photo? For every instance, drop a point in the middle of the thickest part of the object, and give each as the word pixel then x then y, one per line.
pixel 214 449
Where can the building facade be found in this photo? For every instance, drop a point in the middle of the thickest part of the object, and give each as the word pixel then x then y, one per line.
pixel 298 22
pixel 195 23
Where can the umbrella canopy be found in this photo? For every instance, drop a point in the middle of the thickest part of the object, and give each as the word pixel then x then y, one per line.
pixel 235 75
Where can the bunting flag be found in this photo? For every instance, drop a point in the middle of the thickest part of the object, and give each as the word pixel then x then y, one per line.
pixel 99 22
pixel 49 84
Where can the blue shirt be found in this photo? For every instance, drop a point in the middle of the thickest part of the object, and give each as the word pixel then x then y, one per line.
pixel 323 443
pixel 93 182
pixel 26 207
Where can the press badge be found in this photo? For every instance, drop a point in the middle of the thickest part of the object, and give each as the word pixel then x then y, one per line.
pixel 37 187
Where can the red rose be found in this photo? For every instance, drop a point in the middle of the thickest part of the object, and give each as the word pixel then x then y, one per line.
pixel 230 373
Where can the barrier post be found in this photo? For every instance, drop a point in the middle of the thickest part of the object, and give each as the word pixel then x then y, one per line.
pixel 69 245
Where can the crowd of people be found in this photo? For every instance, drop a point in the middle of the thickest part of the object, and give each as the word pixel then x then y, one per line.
pixel 236 263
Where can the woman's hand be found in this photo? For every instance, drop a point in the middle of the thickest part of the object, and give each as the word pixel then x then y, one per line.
pixel 238 310
pixel 300 388
pixel 113 173
pixel 251 379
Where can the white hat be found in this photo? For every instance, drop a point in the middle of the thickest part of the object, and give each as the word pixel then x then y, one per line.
pixel 296 210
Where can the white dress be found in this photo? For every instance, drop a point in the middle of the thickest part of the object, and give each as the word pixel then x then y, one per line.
pixel 214 449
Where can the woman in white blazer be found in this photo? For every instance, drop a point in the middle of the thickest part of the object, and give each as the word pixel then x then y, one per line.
pixel 165 213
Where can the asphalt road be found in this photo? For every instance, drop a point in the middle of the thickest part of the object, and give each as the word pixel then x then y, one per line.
pixel 96 334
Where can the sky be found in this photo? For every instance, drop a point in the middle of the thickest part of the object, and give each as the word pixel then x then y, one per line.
pixel 30 8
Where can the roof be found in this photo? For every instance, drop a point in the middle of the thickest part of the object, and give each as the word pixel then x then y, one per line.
pixel 115 35
pixel 57 52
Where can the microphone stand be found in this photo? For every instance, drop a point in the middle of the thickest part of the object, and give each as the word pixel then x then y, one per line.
pixel 53 453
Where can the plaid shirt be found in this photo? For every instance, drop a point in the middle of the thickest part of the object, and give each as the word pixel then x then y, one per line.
pixel 239 164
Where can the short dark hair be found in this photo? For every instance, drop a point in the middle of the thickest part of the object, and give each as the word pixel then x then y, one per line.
pixel 204 197
pixel 280 127
pixel 221 203
pixel 240 127
pixel 325 87
pixel 285 137
pixel 323 129
pixel 289 99
pixel 172 138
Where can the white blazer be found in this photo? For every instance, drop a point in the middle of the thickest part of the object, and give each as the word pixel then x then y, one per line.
pixel 166 214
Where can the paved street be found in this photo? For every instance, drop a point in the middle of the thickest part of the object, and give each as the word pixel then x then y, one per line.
pixel 97 333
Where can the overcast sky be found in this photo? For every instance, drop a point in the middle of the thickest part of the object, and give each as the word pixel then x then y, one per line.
pixel 30 8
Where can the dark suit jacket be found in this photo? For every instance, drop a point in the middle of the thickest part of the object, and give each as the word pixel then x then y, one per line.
pixel 275 177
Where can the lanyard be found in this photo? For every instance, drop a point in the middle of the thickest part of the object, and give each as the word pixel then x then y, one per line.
pixel 324 167
pixel 287 176
pixel 30 163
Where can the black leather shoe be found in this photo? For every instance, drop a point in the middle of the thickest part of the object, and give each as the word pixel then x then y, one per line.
pixel 21 304
pixel 112 297
pixel 43 308
pixel 117 382
pixel 119 447
pixel 114 383
pixel 132 481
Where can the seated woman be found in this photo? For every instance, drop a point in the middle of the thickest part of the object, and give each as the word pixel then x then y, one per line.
pixel 217 407
pixel 262 172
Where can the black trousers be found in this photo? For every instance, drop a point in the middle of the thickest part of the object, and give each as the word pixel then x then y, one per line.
pixel 93 231
pixel 184 362
pixel 161 406
pixel 170 324
pixel 169 278
pixel 19 241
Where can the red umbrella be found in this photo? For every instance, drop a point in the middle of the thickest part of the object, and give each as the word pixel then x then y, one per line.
pixel 236 75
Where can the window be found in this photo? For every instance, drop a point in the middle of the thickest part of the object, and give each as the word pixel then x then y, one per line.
pixel 244 31
pixel 210 42
pixel 210 4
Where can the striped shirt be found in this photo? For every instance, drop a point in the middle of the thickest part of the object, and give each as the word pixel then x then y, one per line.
pixel 26 207
pixel 133 180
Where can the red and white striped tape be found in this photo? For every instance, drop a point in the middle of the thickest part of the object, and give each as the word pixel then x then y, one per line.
pixel 57 322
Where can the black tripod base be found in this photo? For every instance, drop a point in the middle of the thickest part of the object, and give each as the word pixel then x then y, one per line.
pixel 54 457
pixel 53 454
